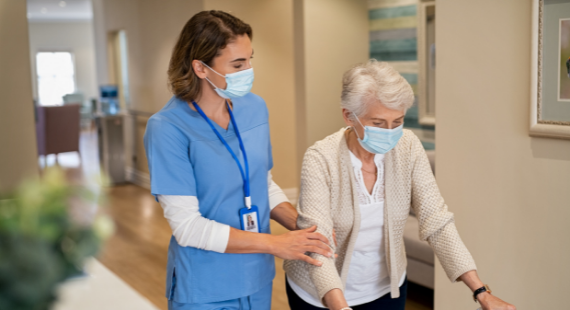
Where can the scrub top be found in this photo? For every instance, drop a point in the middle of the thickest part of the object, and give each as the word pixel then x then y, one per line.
pixel 185 157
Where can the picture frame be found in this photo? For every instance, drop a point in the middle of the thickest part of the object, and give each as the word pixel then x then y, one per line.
pixel 549 116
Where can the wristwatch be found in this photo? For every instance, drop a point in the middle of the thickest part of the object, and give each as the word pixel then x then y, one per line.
pixel 478 291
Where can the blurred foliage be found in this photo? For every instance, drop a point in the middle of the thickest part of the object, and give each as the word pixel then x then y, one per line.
pixel 48 228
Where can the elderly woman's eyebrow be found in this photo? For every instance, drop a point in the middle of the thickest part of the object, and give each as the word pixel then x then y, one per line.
pixel 382 119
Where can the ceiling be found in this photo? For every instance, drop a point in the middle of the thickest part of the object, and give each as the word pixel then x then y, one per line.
pixel 59 10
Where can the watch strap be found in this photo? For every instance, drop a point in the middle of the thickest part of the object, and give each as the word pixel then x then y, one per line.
pixel 480 290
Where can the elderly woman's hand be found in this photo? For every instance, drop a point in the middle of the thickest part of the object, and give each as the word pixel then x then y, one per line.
pixel 486 299
pixel 492 302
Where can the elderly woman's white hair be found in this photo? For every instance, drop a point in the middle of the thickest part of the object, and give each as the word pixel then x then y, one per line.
pixel 373 81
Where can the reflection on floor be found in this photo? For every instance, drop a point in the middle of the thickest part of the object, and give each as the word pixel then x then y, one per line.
pixel 101 289
pixel 137 253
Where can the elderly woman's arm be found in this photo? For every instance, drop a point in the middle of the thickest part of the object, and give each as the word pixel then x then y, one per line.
pixel 315 209
pixel 437 226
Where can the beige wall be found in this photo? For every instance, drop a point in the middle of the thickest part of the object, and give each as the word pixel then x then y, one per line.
pixel 510 192
pixel 76 37
pixel 272 23
pixel 110 16
pixel 335 39
pixel 152 27
pixel 18 153
pixel 160 24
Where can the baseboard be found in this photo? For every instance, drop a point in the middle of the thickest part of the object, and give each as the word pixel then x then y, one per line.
pixel 137 177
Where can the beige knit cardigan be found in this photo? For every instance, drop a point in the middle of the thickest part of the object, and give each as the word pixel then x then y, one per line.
pixel 328 198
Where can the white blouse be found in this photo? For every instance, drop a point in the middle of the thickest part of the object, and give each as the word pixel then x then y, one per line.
pixel 368 277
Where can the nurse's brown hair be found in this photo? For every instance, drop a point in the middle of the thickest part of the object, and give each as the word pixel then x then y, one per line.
pixel 202 38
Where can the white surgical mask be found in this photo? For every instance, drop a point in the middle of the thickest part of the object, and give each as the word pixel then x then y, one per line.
pixel 238 84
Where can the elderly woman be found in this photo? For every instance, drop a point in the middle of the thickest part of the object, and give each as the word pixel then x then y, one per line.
pixel 361 183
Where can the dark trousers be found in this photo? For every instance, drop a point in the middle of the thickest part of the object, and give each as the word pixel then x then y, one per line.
pixel 383 303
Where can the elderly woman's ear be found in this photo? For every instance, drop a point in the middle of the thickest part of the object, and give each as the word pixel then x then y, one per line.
pixel 348 117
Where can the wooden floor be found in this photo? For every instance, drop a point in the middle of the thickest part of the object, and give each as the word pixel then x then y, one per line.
pixel 137 252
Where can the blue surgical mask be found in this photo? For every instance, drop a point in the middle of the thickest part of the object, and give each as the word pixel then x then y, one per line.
pixel 379 140
pixel 238 84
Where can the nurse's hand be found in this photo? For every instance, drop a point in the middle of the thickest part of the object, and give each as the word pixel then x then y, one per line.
pixel 294 245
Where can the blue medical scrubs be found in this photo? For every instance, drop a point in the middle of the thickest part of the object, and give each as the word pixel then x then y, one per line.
pixel 185 157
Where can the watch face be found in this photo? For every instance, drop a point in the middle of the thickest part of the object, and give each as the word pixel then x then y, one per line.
pixel 483 289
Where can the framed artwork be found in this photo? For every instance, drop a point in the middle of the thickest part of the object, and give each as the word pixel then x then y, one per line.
pixel 564 57
pixel 550 69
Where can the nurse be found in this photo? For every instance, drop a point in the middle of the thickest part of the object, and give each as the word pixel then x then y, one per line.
pixel 210 160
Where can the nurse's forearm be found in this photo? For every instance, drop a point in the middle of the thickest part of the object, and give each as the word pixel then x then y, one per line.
pixel 291 245
pixel 286 215
pixel 244 242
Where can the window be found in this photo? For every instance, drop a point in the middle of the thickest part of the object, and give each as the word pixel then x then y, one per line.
pixel 56 76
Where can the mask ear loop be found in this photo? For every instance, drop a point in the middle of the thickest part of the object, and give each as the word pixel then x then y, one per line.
pixel 356 131
pixel 216 72
pixel 207 79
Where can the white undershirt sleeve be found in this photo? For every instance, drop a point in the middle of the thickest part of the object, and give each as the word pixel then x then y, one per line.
pixel 190 228
pixel 276 195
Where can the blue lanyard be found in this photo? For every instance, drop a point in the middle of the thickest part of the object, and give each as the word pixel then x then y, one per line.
pixel 245 176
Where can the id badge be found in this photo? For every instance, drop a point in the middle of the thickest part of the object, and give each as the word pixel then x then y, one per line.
pixel 249 219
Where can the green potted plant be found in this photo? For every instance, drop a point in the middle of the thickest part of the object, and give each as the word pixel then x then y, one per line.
pixel 48 228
